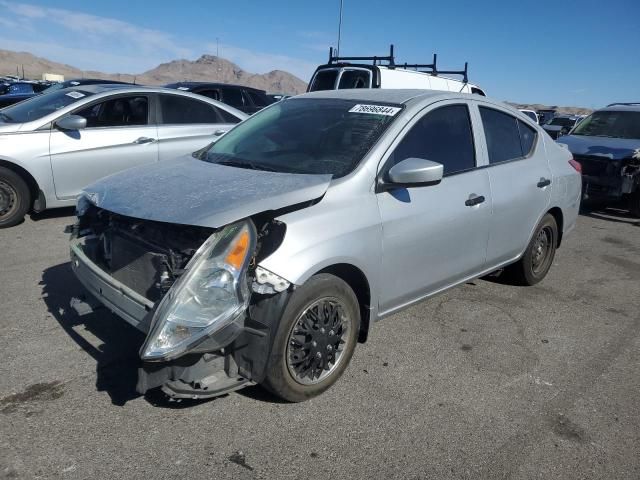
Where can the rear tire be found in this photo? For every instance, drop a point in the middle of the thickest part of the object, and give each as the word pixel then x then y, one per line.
pixel 15 198
pixel 538 257
pixel 316 338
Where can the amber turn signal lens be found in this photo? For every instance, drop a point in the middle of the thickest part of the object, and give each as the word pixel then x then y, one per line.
pixel 238 252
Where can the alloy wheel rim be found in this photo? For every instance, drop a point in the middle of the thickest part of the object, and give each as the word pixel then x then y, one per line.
pixel 8 199
pixel 316 342
pixel 541 250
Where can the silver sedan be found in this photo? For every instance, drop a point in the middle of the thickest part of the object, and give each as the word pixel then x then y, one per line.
pixel 271 255
pixel 54 144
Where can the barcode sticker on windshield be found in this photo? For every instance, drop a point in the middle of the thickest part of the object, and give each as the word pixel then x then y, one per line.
pixel 375 109
pixel 75 95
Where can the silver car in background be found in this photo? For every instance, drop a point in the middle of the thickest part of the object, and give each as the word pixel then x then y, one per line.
pixel 267 258
pixel 54 144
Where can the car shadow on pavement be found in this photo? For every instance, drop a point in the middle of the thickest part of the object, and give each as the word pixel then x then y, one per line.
pixel 113 344
pixel 612 211
pixel 53 213
pixel 609 214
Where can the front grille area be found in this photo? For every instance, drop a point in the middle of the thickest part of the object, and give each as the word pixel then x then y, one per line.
pixel 146 256
pixel 139 268
pixel 597 166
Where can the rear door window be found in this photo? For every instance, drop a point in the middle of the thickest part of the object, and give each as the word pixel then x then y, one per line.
pixel 233 97
pixel 355 79
pixel 502 135
pixel 179 110
pixel 443 135
pixel 211 93
pixel 258 99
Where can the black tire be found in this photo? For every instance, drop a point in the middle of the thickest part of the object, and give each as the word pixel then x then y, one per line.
pixel 319 294
pixel 15 198
pixel 534 265
pixel 634 203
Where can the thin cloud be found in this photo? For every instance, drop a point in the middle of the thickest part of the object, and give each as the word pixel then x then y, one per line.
pixel 88 42
pixel 261 62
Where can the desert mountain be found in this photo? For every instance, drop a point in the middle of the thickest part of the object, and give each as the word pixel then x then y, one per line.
pixel 207 68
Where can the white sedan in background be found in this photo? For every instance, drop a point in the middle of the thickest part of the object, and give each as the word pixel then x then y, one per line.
pixel 52 145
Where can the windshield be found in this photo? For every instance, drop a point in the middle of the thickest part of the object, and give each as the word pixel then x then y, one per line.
pixel 316 136
pixel 608 123
pixel 324 80
pixel 41 105
pixel 564 122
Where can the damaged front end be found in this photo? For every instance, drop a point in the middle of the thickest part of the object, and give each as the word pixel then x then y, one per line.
pixel 190 289
pixel 607 178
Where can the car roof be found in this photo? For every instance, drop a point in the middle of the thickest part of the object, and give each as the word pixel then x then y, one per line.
pixel 211 84
pixel 388 95
pixel 621 107
pixel 97 88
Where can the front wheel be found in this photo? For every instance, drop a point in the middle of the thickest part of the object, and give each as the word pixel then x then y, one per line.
pixel 315 340
pixel 534 265
pixel 15 198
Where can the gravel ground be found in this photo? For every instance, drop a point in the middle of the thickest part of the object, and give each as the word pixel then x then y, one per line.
pixel 485 381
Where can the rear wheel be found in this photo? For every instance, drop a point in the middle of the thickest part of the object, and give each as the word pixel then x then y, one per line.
pixel 316 338
pixel 15 198
pixel 538 257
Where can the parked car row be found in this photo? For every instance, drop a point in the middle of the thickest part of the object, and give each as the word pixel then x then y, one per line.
pixel 53 145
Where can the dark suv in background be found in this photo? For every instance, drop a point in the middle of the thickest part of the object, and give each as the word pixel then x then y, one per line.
pixel 246 99
pixel 561 125
pixel 607 145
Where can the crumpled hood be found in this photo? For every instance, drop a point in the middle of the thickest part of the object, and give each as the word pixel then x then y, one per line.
pixel 611 148
pixel 193 192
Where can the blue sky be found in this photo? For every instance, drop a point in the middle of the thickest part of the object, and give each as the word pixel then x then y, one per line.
pixel 561 52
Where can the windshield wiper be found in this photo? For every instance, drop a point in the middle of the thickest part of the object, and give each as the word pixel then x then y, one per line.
pixel 5 117
pixel 248 165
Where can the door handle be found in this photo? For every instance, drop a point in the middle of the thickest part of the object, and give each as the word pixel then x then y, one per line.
pixel 142 140
pixel 217 133
pixel 474 200
pixel 544 182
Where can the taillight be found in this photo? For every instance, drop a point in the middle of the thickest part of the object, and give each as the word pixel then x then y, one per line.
pixel 575 164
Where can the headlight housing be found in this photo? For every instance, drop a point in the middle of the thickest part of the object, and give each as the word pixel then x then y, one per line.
pixel 210 295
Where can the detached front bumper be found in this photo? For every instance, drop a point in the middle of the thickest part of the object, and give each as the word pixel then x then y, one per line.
pixel 208 372
pixel 120 299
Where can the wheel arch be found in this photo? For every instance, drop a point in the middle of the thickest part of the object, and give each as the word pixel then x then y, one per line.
pixel 358 282
pixel 34 188
pixel 557 214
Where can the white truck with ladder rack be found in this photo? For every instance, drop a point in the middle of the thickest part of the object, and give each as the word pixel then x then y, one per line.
pixel 341 73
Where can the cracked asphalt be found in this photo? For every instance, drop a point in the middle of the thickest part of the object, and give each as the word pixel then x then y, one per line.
pixel 485 381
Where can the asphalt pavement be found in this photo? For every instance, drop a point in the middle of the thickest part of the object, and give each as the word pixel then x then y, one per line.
pixel 484 381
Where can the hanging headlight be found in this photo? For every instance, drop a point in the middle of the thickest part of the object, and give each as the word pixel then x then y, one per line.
pixel 210 295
